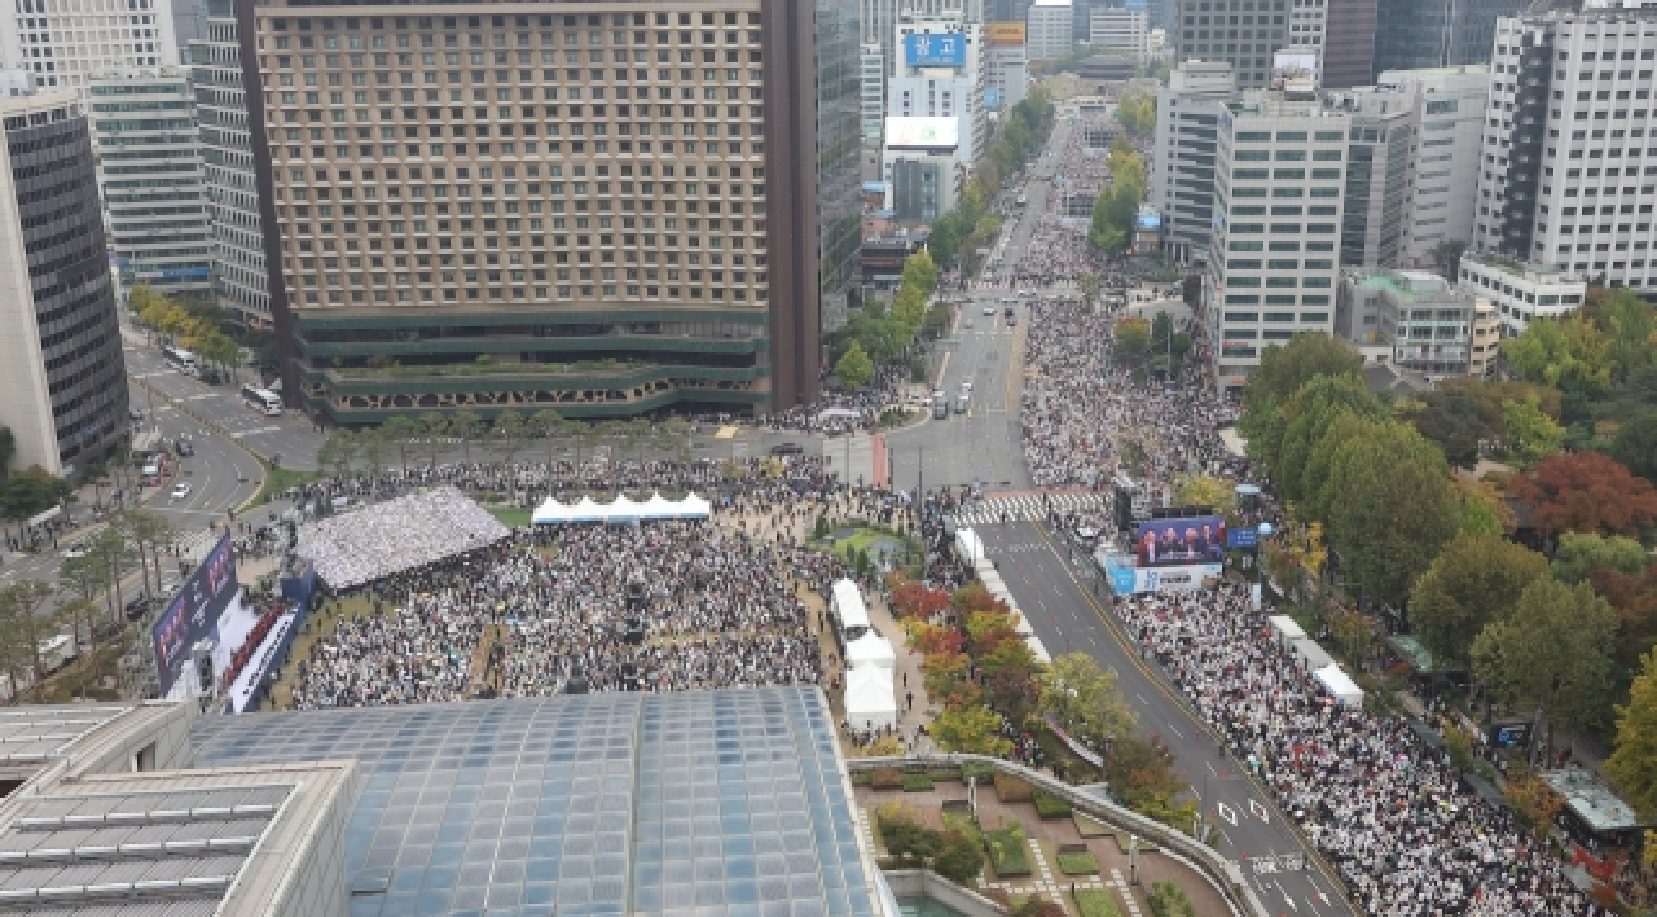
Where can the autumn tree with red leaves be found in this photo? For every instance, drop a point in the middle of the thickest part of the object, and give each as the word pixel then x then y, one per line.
pixel 1585 492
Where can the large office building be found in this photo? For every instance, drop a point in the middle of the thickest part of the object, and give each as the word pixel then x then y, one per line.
pixel 63 389
pixel 1244 33
pixel 1570 145
pixel 238 243
pixel 1274 260
pixel 1050 29
pixel 150 170
pixel 1181 183
pixel 1347 53
pixel 1007 62
pixel 1377 178
pixel 1120 32
pixel 1419 34
pixel 595 208
pixel 1447 111
pixel 65 43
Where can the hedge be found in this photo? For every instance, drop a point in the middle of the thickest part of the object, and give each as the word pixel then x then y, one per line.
pixel 1078 864
pixel 917 783
pixel 1008 852
pixel 886 778
pixel 1011 789
pixel 1050 806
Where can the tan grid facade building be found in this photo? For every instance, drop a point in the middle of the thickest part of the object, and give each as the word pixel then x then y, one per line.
pixel 572 170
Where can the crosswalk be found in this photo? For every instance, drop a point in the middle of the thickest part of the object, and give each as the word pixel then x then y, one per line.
pixel 1028 507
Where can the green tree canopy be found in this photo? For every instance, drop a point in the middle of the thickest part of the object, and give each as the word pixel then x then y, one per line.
pixel 1632 766
pixel 1569 353
pixel 1456 420
pixel 855 369
pixel 1284 369
pixel 1083 699
pixel 1581 553
pixel 1552 652
pixel 1474 580
pixel 1531 435
pixel 1635 444
pixel 1630 324
pixel 970 729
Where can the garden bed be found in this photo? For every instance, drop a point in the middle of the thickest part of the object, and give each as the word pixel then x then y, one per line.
pixel 1011 789
pixel 1097 902
pixel 1049 806
pixel 917 783
pixel 1077 860
pixel 1009 853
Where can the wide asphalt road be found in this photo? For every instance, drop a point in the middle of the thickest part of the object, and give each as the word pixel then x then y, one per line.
pixel 1064 613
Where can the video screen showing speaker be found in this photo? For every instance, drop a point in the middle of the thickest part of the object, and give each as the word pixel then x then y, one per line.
pixel 1180 541
pixel 193 614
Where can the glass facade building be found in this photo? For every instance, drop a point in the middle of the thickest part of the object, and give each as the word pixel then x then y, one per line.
pixel 1414 34
pixel 716 802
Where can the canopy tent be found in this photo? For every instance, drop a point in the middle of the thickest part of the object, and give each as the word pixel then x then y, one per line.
pixel 1311 656
pixel 847 604
pixel 1285 630
pixel 1037 649
pixel 871 649
pixel 623 510
pixel 969 545
pixel 1340 686
pixel 871 699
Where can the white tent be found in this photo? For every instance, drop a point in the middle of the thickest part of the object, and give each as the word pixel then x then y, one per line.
pixel 551 512
pixel 659 507
pixel 848 606
pixel 694 507
pixel 1285 630
pixel 622 509
pixel 969 545
pixel 1311 656
pixel 1340 686
pixel 871 649
pixel 587 510
pixel 1037 649
pixel 871 698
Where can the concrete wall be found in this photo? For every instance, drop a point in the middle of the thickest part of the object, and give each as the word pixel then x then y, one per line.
pixel 924 883
pixel 1225 875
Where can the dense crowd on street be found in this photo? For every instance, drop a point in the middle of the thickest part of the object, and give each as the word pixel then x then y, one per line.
pixel 1388 811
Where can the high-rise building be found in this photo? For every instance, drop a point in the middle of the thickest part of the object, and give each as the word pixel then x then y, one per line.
pixel 1121 32
pixel 937 125
pixel 1377 178
pixel 1008 64
pixel 63 390
pixel 150 171
pixel 1447 110
pixel 1279 178
pixel 1244 33
pixel 1181 182
pixel 872 91
pixel 1348 47
pixel 66 43
pixel 238 243
pixel 1417 34
pixel 837 81
pixel 1561 182
pixel 1050 29
pixel 595 208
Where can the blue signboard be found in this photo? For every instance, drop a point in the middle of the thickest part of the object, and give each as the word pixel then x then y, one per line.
pixel 992 98
pixel 935 49
pixel 1242 537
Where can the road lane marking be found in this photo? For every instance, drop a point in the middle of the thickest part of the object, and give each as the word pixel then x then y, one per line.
pixel 1226 812
pixel 1258 810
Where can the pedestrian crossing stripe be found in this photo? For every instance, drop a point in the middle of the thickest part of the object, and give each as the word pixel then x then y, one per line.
pixel 1028 507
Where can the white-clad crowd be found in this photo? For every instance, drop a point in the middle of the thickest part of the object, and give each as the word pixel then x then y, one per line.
pixel 378 540
pixel 1387 810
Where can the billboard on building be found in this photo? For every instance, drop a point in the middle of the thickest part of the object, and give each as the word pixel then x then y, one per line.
pixel 922 133
pixel 194 613
pixel 1180 542
pixel 935 49
pixel 1126 579
pixel 1295 69
pixel 1004 33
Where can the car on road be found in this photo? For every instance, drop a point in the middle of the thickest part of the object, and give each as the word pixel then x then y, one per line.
pixel 966 385
pixel 181 490
pixel 989 310
pixel 136 606
pixel 78 549
pixel 184 448
pixel 787 449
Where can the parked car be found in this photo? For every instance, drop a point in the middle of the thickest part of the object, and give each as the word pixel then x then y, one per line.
pixel 136 606
pixel 787 449
pixel 183 448
pixel 181 490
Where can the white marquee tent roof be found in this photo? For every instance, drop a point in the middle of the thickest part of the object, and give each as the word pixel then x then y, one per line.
pixel 848 605
pixel 871 698
pixel 1340 685
pixel 871 649
pixel 623 509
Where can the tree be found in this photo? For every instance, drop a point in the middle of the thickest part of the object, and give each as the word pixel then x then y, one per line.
pixel 400 430
pixel 509 430
pixel 971 729
pixel 465 425
pixel 1635 444
pixel 1141 773
pixel 435 426
pixel 1390 507
pixel 1474 580
pixel 547 424
pixel 1533 800
pixel 1581 554
pixel 372 446
pixel 1132 339
pixel 1457 421
pixel 855 369
pixel 25 623
pixel 30 491
pixel 134 532
pixel 1568 353
pixel 1531 434
pixel 338 452
pixel 1169 900
pixel 1630 324
pixel 1286 443
pixel 1206 490
pixel 1090 286
pixel 1553 651
pixel 1632 766
pixel 960 858
pixel 82 579
pixel 1284 369
pixel 1585 492
pixel 1083 699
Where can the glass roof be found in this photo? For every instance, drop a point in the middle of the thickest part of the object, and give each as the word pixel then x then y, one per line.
pixel 696 802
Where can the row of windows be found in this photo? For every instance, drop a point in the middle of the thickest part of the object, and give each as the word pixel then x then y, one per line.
pixel 505 77
pixel 1279 264
pixel 440 152
pixel 1284 174
pixel 428 23
pixel 1290 136
pixel 1247 245
pixel 594 37
pixel 1287 155
pixel 1281 283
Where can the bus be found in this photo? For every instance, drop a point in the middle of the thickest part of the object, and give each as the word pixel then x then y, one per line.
pixel 182 360
pixel 1022 200
pixel 262 400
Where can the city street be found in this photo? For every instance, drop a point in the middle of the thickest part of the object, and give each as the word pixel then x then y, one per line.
pixel 1066 616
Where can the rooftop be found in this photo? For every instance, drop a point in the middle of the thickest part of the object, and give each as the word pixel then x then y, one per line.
pixel 723 801
pixel 31 736
pixel 1405 286
pixel 1592 801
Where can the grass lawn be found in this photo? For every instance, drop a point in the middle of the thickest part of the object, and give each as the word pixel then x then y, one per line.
pixel 1097 902
pixel 511 516
pixel 321 625
pixel 1078 864
pixel 279 479
pixel 1008 853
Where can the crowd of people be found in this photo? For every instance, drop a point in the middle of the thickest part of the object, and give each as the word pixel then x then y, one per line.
pixel 1389 812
